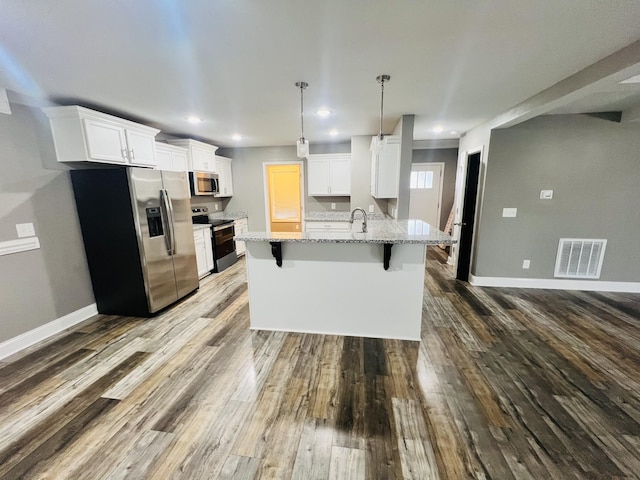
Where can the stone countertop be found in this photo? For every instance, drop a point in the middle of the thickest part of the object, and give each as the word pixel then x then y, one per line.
pixel 340 216
pixel 379 231
pixel 228 215
pixel 201 226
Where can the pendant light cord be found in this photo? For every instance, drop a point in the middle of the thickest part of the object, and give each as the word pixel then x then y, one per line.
pixel 381 107
pixel 302 109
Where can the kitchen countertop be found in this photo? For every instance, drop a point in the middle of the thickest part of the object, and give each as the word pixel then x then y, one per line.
pixel 228 215
pixel 379 231
pixel 340 216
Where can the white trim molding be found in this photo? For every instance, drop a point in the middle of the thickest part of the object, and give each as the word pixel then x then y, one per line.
pixel 556 284
pixel 15 344
pixel 20 245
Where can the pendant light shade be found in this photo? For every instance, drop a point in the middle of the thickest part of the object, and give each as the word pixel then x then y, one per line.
pixel 381 141
pixel 302 143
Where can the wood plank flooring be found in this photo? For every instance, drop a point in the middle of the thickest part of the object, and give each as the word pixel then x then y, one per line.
pixel 505 384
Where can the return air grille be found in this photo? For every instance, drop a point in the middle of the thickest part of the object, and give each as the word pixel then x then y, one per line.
pixel 580 258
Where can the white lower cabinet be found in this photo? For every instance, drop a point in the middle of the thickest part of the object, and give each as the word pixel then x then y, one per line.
pixel 327 226
pixel 204 250
pixel 240 226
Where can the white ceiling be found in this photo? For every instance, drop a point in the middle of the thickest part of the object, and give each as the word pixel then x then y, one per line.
pixel 234 62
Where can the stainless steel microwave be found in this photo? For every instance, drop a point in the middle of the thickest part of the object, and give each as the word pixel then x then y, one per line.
pixel 204 183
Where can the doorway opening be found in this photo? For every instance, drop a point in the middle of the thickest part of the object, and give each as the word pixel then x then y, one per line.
pixel 283 197
pixel 468 216
pixel 425 187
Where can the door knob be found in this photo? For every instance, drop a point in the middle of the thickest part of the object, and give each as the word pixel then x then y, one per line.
pixel 461 224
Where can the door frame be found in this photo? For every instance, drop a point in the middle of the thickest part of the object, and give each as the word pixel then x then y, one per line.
pixel 442 165
pixel 265 183
pixel 459 206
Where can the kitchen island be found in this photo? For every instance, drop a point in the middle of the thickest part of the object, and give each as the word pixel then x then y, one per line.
pixel 341 282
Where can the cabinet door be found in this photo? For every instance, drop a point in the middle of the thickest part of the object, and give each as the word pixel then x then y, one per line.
pixel 106 142
pixel 208 246
pixel 142 148
pixel 164 160
pixel 179 162
pixel 385 171
pixel 201 254
pixel 200 158
pixel 340 176
pixel 318 176
pixel 240 226
pixel 223 166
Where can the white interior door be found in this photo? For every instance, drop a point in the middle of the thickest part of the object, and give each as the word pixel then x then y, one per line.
pixel 425 192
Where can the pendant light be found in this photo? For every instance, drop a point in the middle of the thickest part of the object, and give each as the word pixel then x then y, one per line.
pixel 302 143
pixel 381 141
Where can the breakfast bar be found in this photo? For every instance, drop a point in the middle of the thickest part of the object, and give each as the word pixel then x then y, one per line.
pixel 355 283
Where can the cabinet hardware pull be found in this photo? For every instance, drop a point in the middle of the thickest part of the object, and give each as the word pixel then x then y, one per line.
pixel 125 154
pixel 133 157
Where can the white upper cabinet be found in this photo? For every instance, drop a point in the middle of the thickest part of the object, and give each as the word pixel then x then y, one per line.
pixel 225 179
pixel 171 157
pixel 329 175
pixel 385 169
pixel 201 157
pixel 83 135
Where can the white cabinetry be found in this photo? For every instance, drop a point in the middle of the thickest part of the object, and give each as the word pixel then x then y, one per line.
pixel 385 169
pixel 225 178
pixel 329 175
pixel 171 158
pixel 83 135
pixel 204 250
pixel 201 157
pixel 240 226
pixel 327 226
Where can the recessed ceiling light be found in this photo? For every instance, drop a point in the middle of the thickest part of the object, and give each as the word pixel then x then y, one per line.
pixel 193 119
pixel 236 137
pixel 438 129
pixel 333 132
pixel 453 132
pixel 323 112
pixel 635 79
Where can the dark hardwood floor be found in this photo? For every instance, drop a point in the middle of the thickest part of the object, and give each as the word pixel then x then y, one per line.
pixel 505 384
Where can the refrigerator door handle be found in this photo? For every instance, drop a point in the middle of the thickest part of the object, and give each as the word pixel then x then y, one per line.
pixel 168 230
pixel 172 222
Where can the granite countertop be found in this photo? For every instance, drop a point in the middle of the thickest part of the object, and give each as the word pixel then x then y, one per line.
pixel 340 216
pixel 201 226
pixel 228 215
pixel 379 231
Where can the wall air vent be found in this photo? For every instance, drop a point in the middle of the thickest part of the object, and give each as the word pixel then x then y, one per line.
pixel 579 258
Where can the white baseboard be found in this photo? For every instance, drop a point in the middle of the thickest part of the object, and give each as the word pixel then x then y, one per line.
pixel 15 344
pixel 555 284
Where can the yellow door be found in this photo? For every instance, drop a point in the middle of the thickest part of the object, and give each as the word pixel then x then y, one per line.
pixel 285 202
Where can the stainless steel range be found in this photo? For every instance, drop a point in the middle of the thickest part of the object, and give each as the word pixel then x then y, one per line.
pixel 222 233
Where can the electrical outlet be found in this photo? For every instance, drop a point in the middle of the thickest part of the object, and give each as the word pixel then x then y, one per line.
pixel 372 208
pixel 526 263
pixel 333 206
pixel 509 212
pixel 546 194
pixel 25 230
pixel 216 207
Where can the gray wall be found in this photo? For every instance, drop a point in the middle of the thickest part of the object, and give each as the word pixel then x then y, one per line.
pixel 593 167
pixel 41 285
pixel 448 156
pixel 248 180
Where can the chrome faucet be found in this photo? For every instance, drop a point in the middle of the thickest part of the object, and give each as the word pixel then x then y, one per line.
pixel 364 218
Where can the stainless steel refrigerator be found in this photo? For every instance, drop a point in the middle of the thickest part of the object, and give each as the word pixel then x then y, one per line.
pixel 138 237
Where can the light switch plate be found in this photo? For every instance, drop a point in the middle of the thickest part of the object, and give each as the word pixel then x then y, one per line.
pixel 546 194
pixel 526 263
pixel 25 230
pixel 216 205
pixel 509 212
pixel 333 206
pixel 372 208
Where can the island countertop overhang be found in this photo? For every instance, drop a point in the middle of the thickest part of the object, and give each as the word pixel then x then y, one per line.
pixel 379 231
